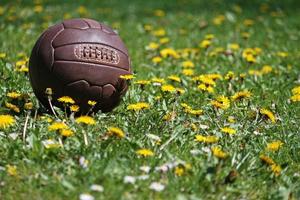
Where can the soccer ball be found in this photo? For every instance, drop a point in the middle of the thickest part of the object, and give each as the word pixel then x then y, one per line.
pixel 82 59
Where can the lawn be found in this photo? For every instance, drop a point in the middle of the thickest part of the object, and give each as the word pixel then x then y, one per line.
pixel 212 111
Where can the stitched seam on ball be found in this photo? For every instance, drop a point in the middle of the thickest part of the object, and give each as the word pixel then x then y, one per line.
pixel 72 43
pixel 87 23
pixel 106 65
pixel 52 62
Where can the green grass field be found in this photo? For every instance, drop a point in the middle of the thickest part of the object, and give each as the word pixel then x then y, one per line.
pixel 220 86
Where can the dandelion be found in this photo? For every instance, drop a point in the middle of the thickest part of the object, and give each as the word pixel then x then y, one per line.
pixel 2 55
pixel 228 130
pixel 204 87
pixel 142 82
pixel 218 152
pixel 12 170
pixel 188 64
pixel 168 88
pixel 169 52
pixel 127 77
pixel 116 132
pixel 248 22
pixel 85 120
pixel 57 126
pixel 276 169
pixel 241 95
pixel 13 95
pixel 231 119
pixel 66 132
pixel 221 102
pixel 6 121
pixel 74 108
pixel 12 107
pixel 164 40
pixel 145 152
pixel 28 106
pixel 66 100
pixel 274 146
pixel 148 27
pixel 138 106
pixel 92 103
pixel 206 139
pixel 296 90
pixel 159 32
pixel 266 159
pixel 282 54
pixel 229 76
pixel 295 97
pixel 267 113
pixel 218 20
pixel 156 59
pixel 234 46
pixel 266 69
pixel 205 44
pixel 174 78
pixel 195 112
pixel 152 46
pixel 188 72
pixel 157 81
pixel 179 171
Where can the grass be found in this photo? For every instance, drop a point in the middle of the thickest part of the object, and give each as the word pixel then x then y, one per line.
pixel 29 170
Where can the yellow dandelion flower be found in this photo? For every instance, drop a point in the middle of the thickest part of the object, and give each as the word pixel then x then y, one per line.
pixel 205 44
pixel 13 95
pixel 12 170
pixel 295 97
pixel 127 76
pixel 159 32
pixel 266 69
pixel 145 152
pixel 218 20
pixel 116 132
pixel 206 139
pixel 85 120
pixel 203 87
pixel 209 36
pixel 142 82
pixel 152 46
pixel 179 170
pixel 74 108
pixel 228 130
pixel 12 107
pixel 267 113
pixel 2 55
pixel 245 35
pixel 158 81
pixel 218 152
pixel 57 126
pixel 241 95
pixel 250 58
pixel 179 91
pixel 221 102
pixel 169 52
pixel 266 159
pixel 282 54
pixel 169 116
pixel 28 105
pixel 234 46
pixel 66 99
pixel 174 78
pixel 91 103
pixel 138 106
pixel 274 146
pixel 164 40
pixel 195 112
pixel 188 72
pixel 66 132
pixel 276 169
pixel 156 59
pixel 229 76
pixel 296 90
pixel 148 27
pixel 188 64
pixel 6 121
pixel 168 88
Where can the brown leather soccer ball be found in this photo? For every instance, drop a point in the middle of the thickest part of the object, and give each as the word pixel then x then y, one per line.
pixel 83 59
